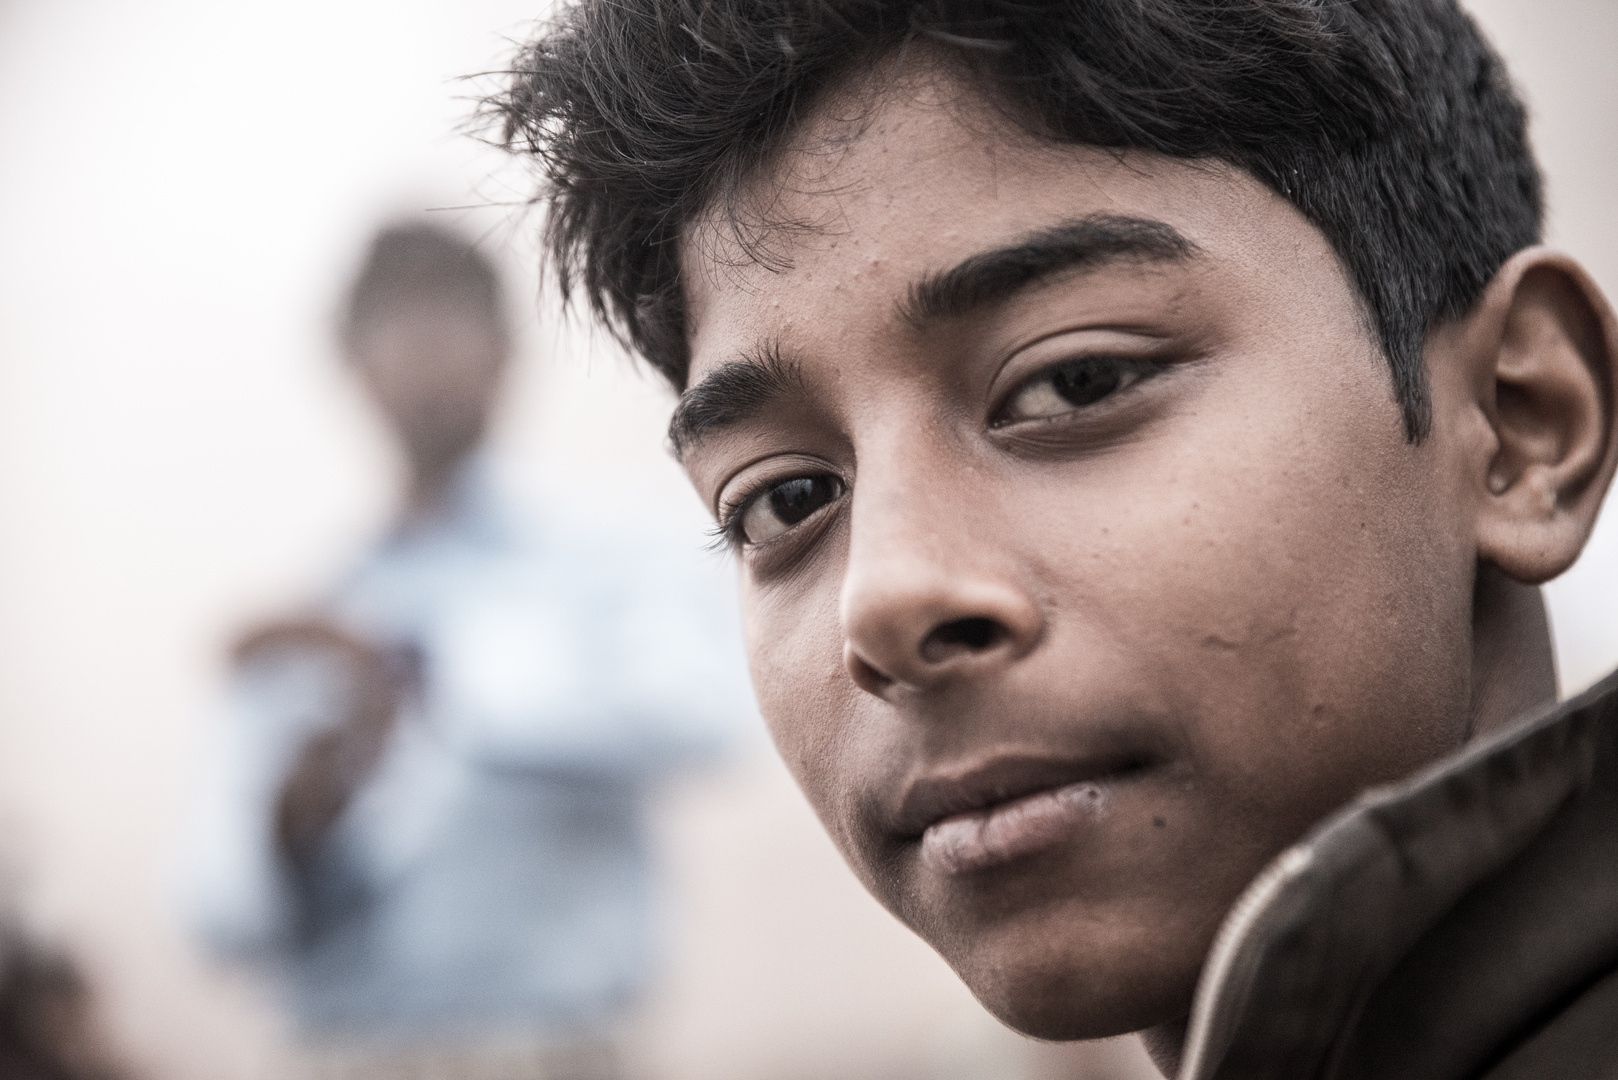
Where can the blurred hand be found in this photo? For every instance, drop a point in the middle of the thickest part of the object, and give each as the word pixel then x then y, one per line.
pixel 50 1025
pixel 333 764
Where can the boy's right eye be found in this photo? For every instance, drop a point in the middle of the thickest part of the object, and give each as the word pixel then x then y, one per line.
pixel 780 506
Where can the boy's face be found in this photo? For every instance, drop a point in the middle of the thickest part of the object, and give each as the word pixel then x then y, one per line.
pixel 1080 577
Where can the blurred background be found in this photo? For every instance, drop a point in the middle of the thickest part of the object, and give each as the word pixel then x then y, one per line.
pixel 187 190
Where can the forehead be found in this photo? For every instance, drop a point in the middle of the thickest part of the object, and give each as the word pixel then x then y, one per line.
pixel 899 176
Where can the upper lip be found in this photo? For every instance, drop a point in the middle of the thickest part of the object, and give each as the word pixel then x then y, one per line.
pixel 966 789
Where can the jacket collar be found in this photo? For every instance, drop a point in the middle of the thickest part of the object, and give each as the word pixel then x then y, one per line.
pixel 1395 889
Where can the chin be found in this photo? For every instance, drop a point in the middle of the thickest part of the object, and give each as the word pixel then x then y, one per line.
pixel 1056 1008
pixel 1047 992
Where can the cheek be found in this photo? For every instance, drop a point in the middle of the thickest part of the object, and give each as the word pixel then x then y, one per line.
pixel 795 652
pixel 1292 593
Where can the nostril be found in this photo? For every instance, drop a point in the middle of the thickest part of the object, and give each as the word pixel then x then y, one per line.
pixel 961 636
pixel 866 677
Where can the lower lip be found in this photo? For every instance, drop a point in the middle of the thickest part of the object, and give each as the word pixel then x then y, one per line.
pixel 1001 834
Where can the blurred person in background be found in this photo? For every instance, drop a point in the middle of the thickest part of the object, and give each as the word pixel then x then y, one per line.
pixel 427 815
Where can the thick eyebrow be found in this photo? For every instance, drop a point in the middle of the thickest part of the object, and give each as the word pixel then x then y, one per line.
pixel 740 389
pixel 731 393
pixel 990 277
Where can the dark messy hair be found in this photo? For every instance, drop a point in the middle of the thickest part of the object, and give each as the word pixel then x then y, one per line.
pixel 1390 124
pixel 414 261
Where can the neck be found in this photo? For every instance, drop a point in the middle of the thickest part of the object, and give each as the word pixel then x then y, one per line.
pixel 1513 670
pixel 1164 1044
pixel 431 484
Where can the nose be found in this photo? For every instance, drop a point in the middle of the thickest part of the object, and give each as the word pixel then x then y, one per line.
pixel 928 598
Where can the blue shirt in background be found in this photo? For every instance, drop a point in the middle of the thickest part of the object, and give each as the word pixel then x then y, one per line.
pixel 492 872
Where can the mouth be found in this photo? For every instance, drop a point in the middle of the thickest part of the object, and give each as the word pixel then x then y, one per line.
pixel 1006 809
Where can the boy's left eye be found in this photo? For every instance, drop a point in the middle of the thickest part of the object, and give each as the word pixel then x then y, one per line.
pixel 1069 386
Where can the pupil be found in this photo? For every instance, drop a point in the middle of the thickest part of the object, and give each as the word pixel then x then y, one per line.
pixel 1081 384
pixel 796 499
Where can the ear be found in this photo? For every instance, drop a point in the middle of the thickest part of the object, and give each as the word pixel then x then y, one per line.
pixel 1541 348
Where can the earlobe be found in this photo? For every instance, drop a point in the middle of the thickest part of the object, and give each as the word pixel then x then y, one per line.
pixel 1545 351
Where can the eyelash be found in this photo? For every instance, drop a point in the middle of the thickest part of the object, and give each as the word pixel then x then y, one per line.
pixel 726 533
